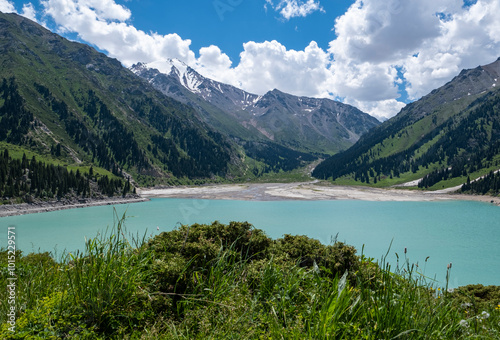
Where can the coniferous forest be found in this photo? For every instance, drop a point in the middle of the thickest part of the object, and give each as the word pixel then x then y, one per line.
pixel 29 180
pixel 489 184
pixel 110 144
pixel 15 119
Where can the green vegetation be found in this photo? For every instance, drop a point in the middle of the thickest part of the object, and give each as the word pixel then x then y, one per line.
pixel 275 157
pixel 64 100
pixel 23 180
pixel 232 281
pixel 489 184
pixel 261 173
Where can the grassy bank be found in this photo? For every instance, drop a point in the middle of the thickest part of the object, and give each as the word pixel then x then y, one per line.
pixel 233 282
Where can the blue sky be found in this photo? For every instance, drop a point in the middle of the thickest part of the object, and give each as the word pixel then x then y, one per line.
pixel 375 54
pixel 209 22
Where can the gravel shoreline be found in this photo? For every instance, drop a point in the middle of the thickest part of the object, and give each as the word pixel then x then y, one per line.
pixel 41 207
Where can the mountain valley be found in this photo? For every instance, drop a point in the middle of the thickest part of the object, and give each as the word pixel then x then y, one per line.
pixel 164 123
pixel 71 106
pixel 310 125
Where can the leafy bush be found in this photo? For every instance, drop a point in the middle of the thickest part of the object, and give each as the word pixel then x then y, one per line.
pixel 336 259
pixel 477 298
pixel 205 240
pixel 231 281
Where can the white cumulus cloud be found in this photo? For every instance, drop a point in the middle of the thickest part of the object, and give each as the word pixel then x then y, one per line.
pixel 268 65
pixel 7 7
pixel 214 64
pixel 471 37
pixel 29 11
pixel 381 109
pixel 103 23
pixel 429 40
pixel 295 8
pixel 381 48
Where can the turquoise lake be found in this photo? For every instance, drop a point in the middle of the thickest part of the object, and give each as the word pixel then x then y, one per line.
pixel 464 233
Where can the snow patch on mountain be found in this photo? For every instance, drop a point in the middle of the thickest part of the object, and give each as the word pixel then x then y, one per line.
pixel 198 84
pixel 188 77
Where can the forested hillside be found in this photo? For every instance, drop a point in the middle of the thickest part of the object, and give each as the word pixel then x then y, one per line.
pixel 444 146
pixel 67 101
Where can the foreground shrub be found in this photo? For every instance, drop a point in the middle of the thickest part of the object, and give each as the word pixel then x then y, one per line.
pixel 203 242
pixel 334 259
pixel 232 282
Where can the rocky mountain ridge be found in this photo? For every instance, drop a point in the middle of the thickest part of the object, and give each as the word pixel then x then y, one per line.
pixel 307 124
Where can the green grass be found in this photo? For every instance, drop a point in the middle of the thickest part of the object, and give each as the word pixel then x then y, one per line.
pixel 301 174
pixel 233 282
pixel 16 152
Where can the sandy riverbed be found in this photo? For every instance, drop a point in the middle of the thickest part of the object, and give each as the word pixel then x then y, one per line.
pixel 305 191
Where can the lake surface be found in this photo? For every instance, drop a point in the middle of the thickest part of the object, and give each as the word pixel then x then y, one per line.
pixel 465 233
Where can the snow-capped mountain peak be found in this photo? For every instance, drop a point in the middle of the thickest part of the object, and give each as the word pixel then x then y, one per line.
pixel 188 77
pixel 308 123
pixel 211 90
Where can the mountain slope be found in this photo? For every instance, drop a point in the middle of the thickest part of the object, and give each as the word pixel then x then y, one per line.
pixel 309 123
pixel 56 92
pixel 300 123
pixel 454 128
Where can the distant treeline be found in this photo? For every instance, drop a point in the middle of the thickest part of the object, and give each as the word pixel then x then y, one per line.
pixel 31 179
pixel 489 184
